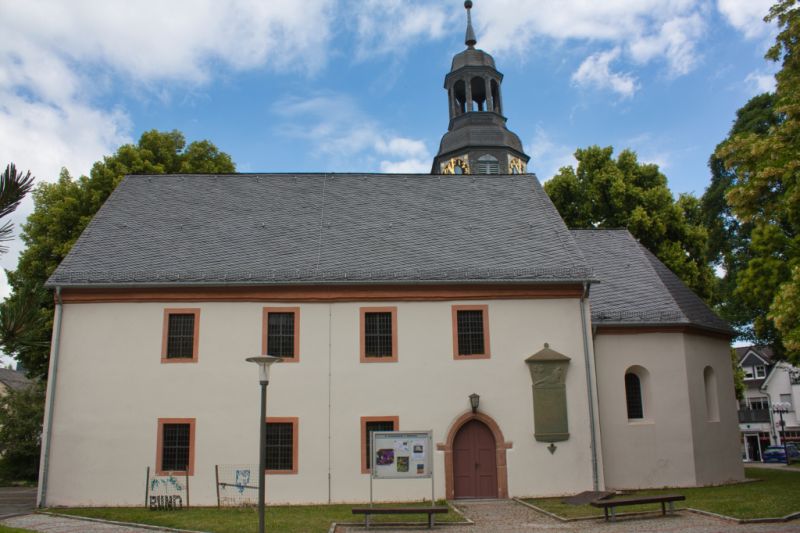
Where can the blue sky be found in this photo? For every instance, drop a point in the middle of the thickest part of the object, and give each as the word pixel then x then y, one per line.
pixel 321 85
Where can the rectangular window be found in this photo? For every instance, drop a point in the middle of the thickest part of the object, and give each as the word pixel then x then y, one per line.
pixel 471 332
pixel 282 445
pixel 180 336
pixel 761 372
pixel 175 446
pixel 378 334
pixel 368 425
pixel 748 372
pixel 787 399
pixel 281 336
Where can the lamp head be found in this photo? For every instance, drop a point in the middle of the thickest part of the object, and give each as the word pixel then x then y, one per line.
pixel 264 362
pixel 474 401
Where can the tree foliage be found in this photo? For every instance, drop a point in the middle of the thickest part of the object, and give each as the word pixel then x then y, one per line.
pixel 13 188
pixel 21 414
pixel 61 212
pixel 766 194
pixel 729 236
pixel 605 192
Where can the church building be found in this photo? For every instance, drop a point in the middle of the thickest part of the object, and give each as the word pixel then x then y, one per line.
pixel 545 361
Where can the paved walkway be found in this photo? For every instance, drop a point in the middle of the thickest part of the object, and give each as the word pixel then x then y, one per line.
pixel 58 524
pixel 16 500
pixel 508 516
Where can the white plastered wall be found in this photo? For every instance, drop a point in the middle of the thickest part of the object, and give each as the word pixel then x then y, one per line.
pixel 717 449
pixel 674 444
pixel 112 388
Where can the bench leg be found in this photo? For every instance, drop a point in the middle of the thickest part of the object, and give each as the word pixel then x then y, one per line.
pixel 430 520
pixel 663 509
pixel 613 514
pixel 605 513
pixel 366 521
pixel 671 507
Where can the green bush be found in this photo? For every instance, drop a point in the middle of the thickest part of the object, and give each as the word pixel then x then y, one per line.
pixel 21 414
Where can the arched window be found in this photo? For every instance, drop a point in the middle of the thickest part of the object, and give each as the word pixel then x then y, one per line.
pixel 633 396
pixel 712 405
pixel 478 87
pixel 496 97
pixel 460 95
pixel 487 164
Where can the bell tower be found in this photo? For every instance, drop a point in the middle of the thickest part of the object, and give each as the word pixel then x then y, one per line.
pixel 477 140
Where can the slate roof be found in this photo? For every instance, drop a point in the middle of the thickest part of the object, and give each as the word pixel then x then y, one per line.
pixel 636 288
pixel 13 379
pixel 170 230
pixel 765 352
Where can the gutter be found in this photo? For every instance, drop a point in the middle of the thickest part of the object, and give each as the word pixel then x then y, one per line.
pixel 51 392
pixel 589 389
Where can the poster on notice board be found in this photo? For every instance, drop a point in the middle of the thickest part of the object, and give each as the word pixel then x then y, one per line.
pixel 402 454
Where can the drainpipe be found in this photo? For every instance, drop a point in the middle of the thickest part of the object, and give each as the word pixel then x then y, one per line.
pixel 51 393
pixel 589 389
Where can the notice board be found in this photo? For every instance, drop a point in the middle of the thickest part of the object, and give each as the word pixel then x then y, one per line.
pixel 402 454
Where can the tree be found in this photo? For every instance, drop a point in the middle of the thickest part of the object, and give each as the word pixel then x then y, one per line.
pixel 766 195
pixel 61 212
pixel 21 415
pixel 13 188
pixel 729 237
pixel 623 193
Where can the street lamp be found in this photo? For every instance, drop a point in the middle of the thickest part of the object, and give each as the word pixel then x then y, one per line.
pixel 779 408
pixel 263 362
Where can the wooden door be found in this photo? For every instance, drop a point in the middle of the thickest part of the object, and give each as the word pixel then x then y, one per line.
pixel 474 462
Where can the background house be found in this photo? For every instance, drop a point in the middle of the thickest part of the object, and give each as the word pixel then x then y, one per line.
pixel 766 382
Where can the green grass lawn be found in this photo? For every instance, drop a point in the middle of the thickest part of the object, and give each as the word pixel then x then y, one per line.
pixel 5 529
pixel 776 493
pixel 284 518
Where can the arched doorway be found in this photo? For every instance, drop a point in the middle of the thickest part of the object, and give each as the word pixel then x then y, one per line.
pixel 474 462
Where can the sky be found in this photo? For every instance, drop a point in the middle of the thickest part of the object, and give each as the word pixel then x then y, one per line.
pixel 356 85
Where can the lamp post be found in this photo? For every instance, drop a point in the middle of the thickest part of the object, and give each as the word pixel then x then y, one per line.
pixel 779 408
pixel 263 362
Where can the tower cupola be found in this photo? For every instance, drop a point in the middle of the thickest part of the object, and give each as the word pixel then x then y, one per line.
pixel 477 140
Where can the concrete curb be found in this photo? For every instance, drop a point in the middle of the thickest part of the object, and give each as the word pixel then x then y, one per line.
pixel 765 520
pixel 115 523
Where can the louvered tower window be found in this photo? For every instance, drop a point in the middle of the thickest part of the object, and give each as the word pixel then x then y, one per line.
pixel 487 164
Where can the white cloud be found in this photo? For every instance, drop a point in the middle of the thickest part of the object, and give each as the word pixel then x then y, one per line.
pixel 548 156
pixel 760 82
pixel 391 26
pixel 747 16
pixel 57 58
pixel 596 72
pixel 675 41
pixel 347 136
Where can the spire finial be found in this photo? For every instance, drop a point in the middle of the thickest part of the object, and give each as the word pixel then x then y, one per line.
pixel 470 39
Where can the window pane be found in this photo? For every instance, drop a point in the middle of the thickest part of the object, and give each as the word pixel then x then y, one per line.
pixel 280 446
pixel 280 334
pixel 378 334
pixel 381 425
pixel 175 447
pixel 470 332
pixel 633 396
pixel 180 336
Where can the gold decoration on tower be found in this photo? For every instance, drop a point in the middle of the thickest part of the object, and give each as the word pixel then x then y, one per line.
pixel 456 165
pixel 516 166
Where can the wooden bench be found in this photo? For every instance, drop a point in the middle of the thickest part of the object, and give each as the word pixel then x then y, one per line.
pixel 430 511
pixel 666 499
